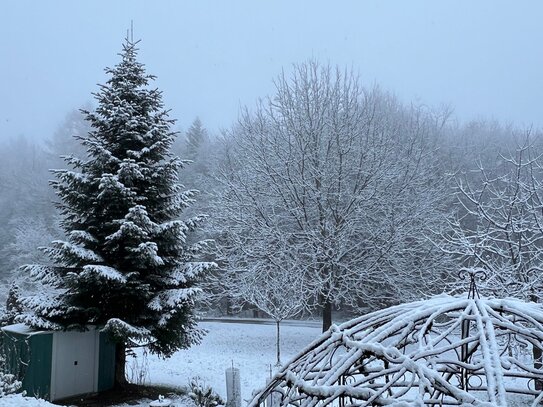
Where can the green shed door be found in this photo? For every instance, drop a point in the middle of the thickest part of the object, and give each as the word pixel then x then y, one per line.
pixel 37 380
pixel 29 358
pixel 106 370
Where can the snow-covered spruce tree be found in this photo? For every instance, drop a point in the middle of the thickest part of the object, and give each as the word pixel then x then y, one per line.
pixel 126 264
pixel 196 136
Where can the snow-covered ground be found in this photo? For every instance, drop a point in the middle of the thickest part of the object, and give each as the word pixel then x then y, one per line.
pixel 250 348
pixel 16 400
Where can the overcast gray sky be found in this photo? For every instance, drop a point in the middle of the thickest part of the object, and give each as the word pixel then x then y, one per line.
pixel 485 58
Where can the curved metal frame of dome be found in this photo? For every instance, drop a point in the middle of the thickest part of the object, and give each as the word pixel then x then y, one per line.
pixel 442 351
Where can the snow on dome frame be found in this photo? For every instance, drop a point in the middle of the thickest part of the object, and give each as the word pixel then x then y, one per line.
pixel 467 351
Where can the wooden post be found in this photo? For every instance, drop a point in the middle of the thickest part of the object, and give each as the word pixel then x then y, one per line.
pixel 278 345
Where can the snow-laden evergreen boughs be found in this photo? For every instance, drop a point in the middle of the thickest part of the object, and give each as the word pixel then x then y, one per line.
pixel 126 264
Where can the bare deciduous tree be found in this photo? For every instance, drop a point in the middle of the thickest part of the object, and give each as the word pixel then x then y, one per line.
pixel 499 224
pixel 270 287
pixel 337 178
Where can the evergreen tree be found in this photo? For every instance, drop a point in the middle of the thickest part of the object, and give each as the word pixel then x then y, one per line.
pixel 196 137
pixel 66 138
pixel 197 147
pixel 126 264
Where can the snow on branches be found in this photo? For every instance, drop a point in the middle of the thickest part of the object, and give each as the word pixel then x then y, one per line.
pixel 339 179
pixel 498 224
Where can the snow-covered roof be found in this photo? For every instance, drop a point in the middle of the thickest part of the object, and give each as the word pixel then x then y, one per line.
pixel 22 329
pixel 442 351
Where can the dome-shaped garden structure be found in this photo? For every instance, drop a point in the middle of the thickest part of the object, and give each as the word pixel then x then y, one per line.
pixel 442 351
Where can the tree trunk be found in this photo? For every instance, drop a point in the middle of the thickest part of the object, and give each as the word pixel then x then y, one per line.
pixel 326 315
pixel 278 345
pixel 120 365
pixel 229 311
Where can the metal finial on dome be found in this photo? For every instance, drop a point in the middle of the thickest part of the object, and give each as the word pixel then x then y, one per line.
pixel 474 274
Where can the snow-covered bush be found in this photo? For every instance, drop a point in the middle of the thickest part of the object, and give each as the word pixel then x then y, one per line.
pixel 203 395
pixel 8 382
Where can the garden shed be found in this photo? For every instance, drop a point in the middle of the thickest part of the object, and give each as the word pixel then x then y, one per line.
pixel 59 364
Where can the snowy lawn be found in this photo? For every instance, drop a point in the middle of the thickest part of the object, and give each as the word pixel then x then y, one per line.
pixel 251 348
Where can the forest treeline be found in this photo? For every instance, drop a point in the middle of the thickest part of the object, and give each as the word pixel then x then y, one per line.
pixel 326 194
